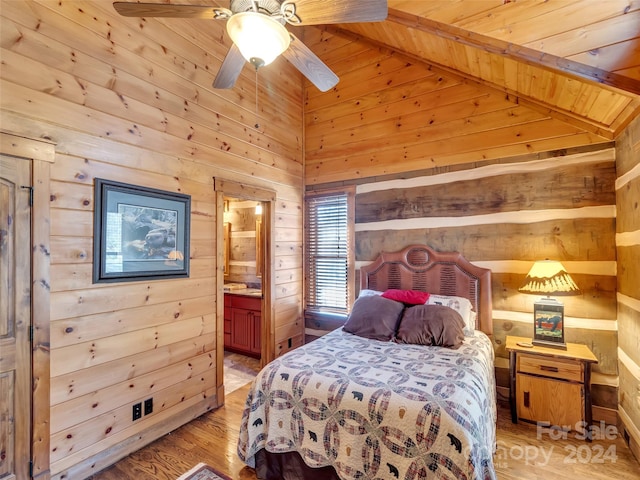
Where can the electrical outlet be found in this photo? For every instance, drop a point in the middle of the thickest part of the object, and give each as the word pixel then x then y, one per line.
pixel 148 406
pixel 137 411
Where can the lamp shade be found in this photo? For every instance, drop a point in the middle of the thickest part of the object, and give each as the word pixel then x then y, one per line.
pixel 259 37
pixel 549 277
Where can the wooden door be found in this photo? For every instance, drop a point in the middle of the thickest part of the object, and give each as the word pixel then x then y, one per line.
pixel 15 318
pixel 553 401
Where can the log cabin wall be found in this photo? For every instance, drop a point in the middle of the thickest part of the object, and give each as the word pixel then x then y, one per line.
pixel 628 249
pixel 131 100
pixel 438 159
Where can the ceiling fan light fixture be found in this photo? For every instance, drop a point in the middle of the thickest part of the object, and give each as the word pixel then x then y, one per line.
pixel 259 37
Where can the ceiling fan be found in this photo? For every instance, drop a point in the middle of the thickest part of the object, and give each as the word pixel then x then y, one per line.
pixel 257 28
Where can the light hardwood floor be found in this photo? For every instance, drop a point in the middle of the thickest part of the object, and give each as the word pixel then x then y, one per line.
pixel 212 439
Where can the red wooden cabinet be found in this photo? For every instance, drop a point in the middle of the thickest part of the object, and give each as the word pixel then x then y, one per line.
pixel 242 324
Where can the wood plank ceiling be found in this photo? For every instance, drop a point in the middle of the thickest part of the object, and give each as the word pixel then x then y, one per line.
pixel 577 59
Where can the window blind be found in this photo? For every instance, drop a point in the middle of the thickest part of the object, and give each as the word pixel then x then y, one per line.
pixel 327 253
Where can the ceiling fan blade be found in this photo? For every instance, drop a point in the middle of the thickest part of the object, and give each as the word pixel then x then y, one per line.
pixel 129 9
pixel 230 69
pixel 310 65
pixel 315 12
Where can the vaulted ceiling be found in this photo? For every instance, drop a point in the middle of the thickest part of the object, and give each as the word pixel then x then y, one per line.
pixel 575 60
pixel 579 59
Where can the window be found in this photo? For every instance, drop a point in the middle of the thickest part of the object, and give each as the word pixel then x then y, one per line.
pixel 329 248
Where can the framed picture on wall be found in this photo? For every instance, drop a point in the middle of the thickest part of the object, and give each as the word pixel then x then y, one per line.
pixel 139 233
pixel 548 324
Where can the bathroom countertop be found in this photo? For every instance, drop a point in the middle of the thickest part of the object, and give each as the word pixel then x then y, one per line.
pixel 251 292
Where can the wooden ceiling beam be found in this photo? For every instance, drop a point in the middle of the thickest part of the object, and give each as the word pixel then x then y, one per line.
pixel 515 52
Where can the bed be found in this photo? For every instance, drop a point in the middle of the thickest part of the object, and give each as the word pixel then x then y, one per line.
pixel 349 407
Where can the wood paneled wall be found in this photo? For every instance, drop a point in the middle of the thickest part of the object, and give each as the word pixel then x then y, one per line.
pixel 628 248
pixel 531 187
pixel 131 100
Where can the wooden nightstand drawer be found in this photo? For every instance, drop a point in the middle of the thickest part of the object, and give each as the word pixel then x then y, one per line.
pixel 550 367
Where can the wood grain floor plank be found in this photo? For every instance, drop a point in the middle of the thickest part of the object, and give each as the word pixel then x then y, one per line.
pixel 522 453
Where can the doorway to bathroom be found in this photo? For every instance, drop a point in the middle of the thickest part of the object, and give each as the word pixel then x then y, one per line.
pixel 245 282
pixel 243 260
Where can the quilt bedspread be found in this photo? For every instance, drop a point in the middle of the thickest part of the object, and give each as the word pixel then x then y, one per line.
pixel 377 410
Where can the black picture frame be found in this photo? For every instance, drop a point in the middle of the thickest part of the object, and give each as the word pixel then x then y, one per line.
pixel 139 233
pixel 548 324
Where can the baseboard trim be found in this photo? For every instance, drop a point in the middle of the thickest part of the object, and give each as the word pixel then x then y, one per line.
pixel 164 425
pixel 503 396
pixel 632 436
pixel 606 415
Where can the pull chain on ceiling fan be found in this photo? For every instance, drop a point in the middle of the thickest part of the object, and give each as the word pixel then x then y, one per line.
pixel 257 29
pixel 257 125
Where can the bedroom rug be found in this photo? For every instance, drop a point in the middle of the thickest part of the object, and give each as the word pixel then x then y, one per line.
pixel 202 471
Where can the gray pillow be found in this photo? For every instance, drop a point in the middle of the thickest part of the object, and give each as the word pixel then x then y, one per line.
pixel 431 325
pixel 374 317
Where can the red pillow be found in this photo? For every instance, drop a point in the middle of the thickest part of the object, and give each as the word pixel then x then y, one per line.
pixel 411 297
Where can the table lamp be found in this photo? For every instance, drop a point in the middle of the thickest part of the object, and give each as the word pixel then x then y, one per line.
pixel 549 277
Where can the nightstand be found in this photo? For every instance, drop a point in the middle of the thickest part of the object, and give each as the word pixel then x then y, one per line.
pixel 550 385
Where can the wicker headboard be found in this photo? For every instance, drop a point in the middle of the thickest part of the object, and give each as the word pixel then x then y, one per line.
pixel 418 267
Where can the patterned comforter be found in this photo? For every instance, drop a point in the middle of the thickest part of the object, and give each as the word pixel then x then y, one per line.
pixel 377 410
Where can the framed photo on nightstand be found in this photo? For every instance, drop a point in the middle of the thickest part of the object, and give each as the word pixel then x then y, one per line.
pixel 548 324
